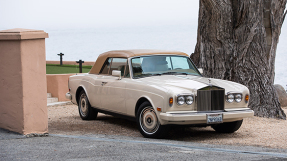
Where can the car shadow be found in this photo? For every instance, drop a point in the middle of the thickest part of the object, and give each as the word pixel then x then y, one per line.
pixel 103 124
pixel 190 133
pixel 111 125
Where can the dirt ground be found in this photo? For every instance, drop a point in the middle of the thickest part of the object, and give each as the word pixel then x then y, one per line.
pixel 254 131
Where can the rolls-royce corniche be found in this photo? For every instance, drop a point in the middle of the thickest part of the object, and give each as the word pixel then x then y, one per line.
pixel 156 89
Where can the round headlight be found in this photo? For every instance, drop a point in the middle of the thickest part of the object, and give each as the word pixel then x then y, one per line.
pixel 189 100
pixel 238 97
pixel 230 98
pixel 180 100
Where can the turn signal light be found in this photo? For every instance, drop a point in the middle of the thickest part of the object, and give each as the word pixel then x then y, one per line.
pixel 158 109
pixel 170 101
pixel 246 98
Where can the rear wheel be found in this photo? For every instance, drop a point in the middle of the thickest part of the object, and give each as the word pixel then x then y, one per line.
pixel 148 123
pixel 228 127
pixel 85 110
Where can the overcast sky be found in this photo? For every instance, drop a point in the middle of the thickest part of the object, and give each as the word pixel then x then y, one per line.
pixel 38 14
pixel 64 14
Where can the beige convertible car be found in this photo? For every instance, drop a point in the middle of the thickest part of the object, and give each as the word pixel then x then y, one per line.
pixel 157 89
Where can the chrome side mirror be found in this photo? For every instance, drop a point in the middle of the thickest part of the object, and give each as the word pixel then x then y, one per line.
pixel 200 70
pixel 117 73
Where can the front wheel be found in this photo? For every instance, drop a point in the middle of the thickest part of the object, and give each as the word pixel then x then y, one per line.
pixel 228 127
pixel 85 110
pixel 148 123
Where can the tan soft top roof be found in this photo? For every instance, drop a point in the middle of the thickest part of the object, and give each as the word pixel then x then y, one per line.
pixel 127 54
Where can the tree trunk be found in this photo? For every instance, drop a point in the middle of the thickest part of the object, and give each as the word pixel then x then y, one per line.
pixel 237 41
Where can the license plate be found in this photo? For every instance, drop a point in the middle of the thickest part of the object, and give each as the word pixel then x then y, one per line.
pixel 214 118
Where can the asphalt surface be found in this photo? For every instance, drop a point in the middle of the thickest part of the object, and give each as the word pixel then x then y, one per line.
pixel 108 147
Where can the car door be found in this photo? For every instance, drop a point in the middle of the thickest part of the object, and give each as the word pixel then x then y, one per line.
pixel 94 89
pixel 93 86
pixel 113 89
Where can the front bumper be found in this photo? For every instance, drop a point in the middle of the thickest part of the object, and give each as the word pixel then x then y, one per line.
pixel 69 96
pixel 195 117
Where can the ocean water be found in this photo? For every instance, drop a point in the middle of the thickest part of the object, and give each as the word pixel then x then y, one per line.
pixel 88 43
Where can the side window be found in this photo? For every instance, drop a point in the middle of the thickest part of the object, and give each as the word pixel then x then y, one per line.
pixel 118 64
pixel 137 66
pixel 106 66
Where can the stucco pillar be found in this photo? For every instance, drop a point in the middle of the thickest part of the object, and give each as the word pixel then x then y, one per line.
pixel 23 88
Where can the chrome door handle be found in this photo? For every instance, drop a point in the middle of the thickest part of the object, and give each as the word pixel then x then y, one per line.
pixel 103 83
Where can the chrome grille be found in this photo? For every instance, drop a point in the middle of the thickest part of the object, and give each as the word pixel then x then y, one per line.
pixel 210 99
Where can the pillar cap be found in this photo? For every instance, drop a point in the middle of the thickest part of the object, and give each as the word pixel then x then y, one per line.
pixel 22 34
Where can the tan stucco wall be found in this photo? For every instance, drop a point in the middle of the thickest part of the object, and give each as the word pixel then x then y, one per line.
pixel 23 93
pixel 11 93
pixel 57 85
pixel 70 62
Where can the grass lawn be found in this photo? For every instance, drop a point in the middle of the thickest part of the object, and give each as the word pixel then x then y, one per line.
pixel 64 69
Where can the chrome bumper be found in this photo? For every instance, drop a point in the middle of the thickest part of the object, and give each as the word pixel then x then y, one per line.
pixel 201 117
pixel 69 96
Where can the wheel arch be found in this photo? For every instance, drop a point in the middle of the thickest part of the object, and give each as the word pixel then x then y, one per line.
pixel 80 88
pixel 139 102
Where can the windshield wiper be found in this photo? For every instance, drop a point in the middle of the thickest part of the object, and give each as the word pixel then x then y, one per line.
pixel 171 73
pixel 159 74
pixel 148 75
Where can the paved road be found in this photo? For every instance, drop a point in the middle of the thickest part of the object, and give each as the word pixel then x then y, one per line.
pixel 106 147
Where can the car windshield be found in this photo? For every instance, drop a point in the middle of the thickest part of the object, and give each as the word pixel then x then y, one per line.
pixel 161 65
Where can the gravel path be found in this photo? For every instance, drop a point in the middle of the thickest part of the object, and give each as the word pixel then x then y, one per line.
pixel 255 131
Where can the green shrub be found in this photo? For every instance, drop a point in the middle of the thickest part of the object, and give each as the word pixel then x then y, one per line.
pixel 64 69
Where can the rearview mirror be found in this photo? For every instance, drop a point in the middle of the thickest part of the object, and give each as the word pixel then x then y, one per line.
pixel 200 70
pixel 117 73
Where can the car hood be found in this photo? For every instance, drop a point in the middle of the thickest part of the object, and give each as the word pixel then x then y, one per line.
pixel 189 83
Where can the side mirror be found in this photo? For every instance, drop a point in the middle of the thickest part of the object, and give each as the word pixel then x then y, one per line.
pixel 117 73
pixel 200 70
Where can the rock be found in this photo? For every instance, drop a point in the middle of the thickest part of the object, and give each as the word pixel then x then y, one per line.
pixel 281 94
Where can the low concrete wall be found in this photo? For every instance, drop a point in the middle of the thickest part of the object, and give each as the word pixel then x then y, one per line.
pixel 70 62
pixel 57 85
